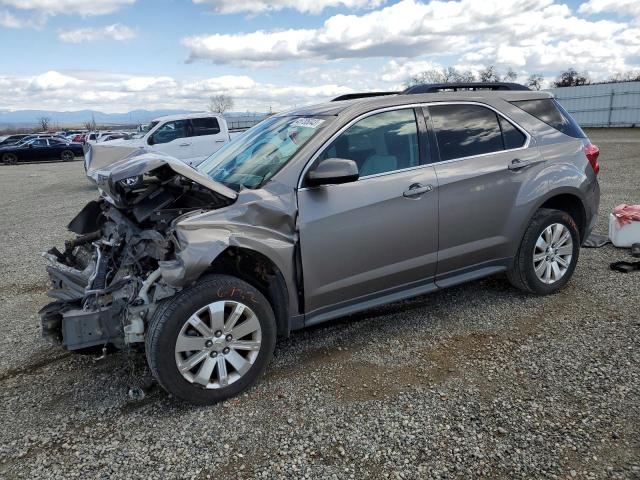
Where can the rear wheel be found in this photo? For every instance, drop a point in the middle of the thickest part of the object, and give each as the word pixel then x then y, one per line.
pixel 548 253
pixel 211 341
pixel 67 156
pixel 9 159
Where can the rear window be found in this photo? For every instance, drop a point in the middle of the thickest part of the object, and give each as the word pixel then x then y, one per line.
pixel 553 114
pixel 205 126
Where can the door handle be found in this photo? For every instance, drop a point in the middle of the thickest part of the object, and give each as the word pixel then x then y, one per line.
pixel 220 141
pixel 517 164
pixel 417 189
pixel 185 144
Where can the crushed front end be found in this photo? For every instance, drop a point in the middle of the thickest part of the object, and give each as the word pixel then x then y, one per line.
pixel 107 281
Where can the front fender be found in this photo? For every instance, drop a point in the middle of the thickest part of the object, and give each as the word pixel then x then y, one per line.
pixel 260 220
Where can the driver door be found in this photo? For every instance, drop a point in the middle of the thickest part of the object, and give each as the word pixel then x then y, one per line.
pixel 377 236
pixel 172 139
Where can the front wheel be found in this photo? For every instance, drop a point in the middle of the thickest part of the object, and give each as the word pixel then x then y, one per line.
pixel 212 340
pixel 548 253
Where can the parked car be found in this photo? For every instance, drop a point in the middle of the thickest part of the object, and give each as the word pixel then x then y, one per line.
pixel 188 137
pixel 318 213
pixel 12 139
pixel 107 137
pixel 37 149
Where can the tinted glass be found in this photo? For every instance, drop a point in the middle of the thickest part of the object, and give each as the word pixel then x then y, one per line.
pixel 513 138
pixel 380 143
pixel 465 130
pixel 54 141
pixel 170 131
pixel 39 142
pixel 553 114
pixel 205 126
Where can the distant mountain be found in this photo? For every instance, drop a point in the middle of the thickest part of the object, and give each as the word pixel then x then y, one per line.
pixel 30 117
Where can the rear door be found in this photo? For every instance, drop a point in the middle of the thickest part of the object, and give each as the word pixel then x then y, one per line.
pixel 206 138
pixel 377 235
pixel 484 161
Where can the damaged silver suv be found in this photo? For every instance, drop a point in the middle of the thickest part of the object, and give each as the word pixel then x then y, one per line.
pixel 315 214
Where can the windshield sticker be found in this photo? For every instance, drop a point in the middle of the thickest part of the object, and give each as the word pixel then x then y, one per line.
pixel 307 122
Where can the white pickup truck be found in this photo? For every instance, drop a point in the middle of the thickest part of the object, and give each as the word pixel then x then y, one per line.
pixel 189 137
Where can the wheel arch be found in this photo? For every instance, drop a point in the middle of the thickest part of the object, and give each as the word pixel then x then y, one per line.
pixel 261 272
pixel 567 200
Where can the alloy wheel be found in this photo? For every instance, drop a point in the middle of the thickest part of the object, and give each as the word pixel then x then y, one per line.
pixel 552 253
pixel 218 344
pixel 9 159
pixel 67 156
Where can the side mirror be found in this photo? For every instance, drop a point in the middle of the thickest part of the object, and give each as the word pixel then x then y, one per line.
pixel 333 171
pixel 151 141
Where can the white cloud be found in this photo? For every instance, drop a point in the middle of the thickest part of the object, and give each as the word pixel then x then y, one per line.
pixel 304 6
pixel 527 34
pixel 620 7
pixel 113 92
pixel 8 20
pixel 116 31
pixel 53 80
pixel 81 7
pixel 398 72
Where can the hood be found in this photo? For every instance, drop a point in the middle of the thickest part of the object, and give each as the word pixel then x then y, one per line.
pixel 107 164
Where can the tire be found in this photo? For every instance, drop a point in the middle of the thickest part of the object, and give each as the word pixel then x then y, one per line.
pixel 544 224
pixel 67 156
pixel 172 325
pixel 9 159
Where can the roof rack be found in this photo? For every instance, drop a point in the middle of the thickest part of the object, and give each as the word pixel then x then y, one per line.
pixel 353 96
pixel 438 87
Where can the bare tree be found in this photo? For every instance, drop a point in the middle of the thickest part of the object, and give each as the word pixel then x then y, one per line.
pixel 489 74
pixel 436 75
pixel 534 81
pixel 220 103
pixel 510 76
pixel 90 125
pixel 44 123
pixel 629 76
pixel 571 78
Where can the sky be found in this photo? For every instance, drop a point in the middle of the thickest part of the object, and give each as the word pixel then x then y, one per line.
pixel 122 55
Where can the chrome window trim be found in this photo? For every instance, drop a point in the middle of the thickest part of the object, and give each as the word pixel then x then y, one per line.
pixel 326 144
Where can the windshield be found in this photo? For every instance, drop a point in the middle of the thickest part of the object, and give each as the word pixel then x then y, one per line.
pixel 256 155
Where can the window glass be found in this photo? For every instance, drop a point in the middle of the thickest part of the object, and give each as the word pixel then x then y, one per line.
pixel 380 143
pixel 205 126
pixel 465 130
pixel 255 156
pixel 513 138
pixel 170 131
pixel 553 114
pixel 39 142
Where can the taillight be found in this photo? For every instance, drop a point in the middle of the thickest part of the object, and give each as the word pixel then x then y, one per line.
pixel 592 152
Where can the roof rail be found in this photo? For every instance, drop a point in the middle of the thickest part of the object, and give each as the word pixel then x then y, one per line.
pixel 353 96
pixel 455 86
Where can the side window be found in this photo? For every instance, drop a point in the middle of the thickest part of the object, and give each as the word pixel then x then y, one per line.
pixel 465 130
pixel 513 138
pixel 551 112
pixel 40 142
pixel 380 143
pixel 205 126
pixel 170 131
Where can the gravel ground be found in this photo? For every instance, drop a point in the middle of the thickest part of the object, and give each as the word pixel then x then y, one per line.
pixel 475 381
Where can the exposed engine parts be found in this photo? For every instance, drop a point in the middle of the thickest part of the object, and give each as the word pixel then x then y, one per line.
pixel 107 280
